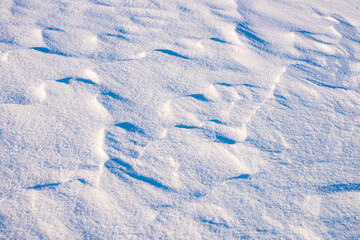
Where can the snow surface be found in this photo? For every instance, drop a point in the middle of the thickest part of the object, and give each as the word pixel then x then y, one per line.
pixel 193 119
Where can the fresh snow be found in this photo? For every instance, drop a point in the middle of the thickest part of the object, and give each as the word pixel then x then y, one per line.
pixel 193 119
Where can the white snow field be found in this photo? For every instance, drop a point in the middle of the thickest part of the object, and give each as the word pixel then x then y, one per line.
pixel 191 119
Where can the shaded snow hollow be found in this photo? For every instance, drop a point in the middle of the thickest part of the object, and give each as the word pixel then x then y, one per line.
pixel 179 119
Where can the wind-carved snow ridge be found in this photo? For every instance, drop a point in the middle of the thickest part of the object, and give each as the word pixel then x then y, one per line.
pixel 269 94
pixel 89 74
pixel 99 151
pixel 101 154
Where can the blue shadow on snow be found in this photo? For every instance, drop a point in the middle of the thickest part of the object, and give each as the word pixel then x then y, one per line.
pixel 172 53
pixel 334 188
pixel 129 127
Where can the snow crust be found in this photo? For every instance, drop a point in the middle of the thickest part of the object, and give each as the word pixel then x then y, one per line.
pixel 184 119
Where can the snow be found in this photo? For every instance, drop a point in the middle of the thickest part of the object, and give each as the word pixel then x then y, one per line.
pixel 230 119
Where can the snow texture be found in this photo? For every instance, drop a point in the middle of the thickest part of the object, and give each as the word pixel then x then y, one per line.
pixel 192 119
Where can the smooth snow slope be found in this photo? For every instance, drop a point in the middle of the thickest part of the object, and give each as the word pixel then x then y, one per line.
pixel 124 119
